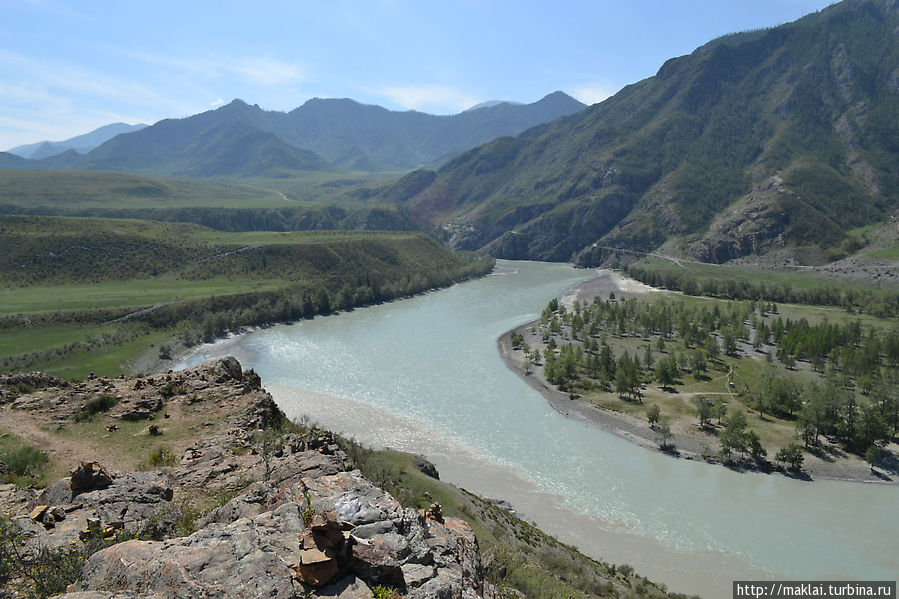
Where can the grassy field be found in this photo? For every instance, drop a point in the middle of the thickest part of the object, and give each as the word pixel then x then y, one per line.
pixel 84 294
pixel 70 192
pixel 121 294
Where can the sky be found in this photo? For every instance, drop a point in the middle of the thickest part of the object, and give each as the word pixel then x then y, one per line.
pixel 68 67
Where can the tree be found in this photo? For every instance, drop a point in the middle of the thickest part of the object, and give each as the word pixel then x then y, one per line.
pixel 733 438
pixel 872 427
pixel 663 435
pixel 322 301
pixel 652 414
pixel 791 456
pixel 729 341
pixel 268 443
pixel 622 383
pixel 720 409
pixel 872 456
pixel 698 361
pixel 756 450
pixel 704 410
pixel 806 425
pixel 517 339
pixel 666 371
pixel 647 356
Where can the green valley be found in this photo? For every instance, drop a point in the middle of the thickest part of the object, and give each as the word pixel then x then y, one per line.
pixel 85 294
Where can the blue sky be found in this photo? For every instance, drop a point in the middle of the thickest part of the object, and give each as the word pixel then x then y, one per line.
pixel 69 67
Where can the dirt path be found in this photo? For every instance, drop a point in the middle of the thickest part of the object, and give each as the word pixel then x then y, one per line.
pixel 65 451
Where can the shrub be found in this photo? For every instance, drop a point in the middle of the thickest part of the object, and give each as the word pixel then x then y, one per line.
pixel 46 571
pixel 95 405
pixel 24 465
pixel 171 389
pixel 159 457
pixel 382 592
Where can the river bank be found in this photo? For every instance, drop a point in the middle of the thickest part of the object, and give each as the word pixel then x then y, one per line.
pixel 691 443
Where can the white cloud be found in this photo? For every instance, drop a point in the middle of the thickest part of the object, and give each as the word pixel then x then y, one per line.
pixel 58 79
pixel 53 99
pixel 266 72
pixel 262 71
pixel 592 94
pixel 429 98
pixel 217 102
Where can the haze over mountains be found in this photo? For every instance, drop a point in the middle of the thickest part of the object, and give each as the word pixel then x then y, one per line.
pixel 80 143
pixel 243 140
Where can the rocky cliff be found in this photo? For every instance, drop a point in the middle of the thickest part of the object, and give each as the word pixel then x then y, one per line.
pixel 299 519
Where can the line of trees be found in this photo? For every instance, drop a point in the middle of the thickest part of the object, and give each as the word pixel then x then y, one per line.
pixel 877 302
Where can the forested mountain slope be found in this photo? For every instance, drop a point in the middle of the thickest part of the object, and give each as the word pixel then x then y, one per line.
pixel 756 141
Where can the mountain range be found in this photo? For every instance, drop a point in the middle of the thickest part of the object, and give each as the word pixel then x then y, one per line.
pixel 80 143
pixel 783 141
pixel 243 140
pixel 769 139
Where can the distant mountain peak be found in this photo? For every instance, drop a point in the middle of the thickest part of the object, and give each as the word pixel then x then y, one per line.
pixel 491 104
pixel 80 143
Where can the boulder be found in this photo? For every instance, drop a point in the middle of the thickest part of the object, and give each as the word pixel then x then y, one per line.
pixel 89 476
pixel 224 369
pixel 249 558
pixel 259 497
pixel 136 501
pixel 137 414
pixel 425 466
pixel 348 587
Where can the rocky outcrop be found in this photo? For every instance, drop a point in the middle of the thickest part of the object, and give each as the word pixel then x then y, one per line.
pixel 299 521
pixel 259 544
pixel 425 466
pixel 12 385
pixel 753 225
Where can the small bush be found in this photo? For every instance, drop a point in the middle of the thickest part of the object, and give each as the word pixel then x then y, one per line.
pixel 382 592
pixel 308 511
pixel 46 571
pixel 187 524
pixel 23 465
pixel 96 405
pixel 159 457
pixel 172 389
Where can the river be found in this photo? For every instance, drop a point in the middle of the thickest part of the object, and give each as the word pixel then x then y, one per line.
pixel 424 375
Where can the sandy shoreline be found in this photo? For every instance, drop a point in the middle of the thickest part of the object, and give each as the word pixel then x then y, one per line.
pixel 637 430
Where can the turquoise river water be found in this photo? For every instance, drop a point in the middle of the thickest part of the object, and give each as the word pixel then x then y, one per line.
pixel 424 375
